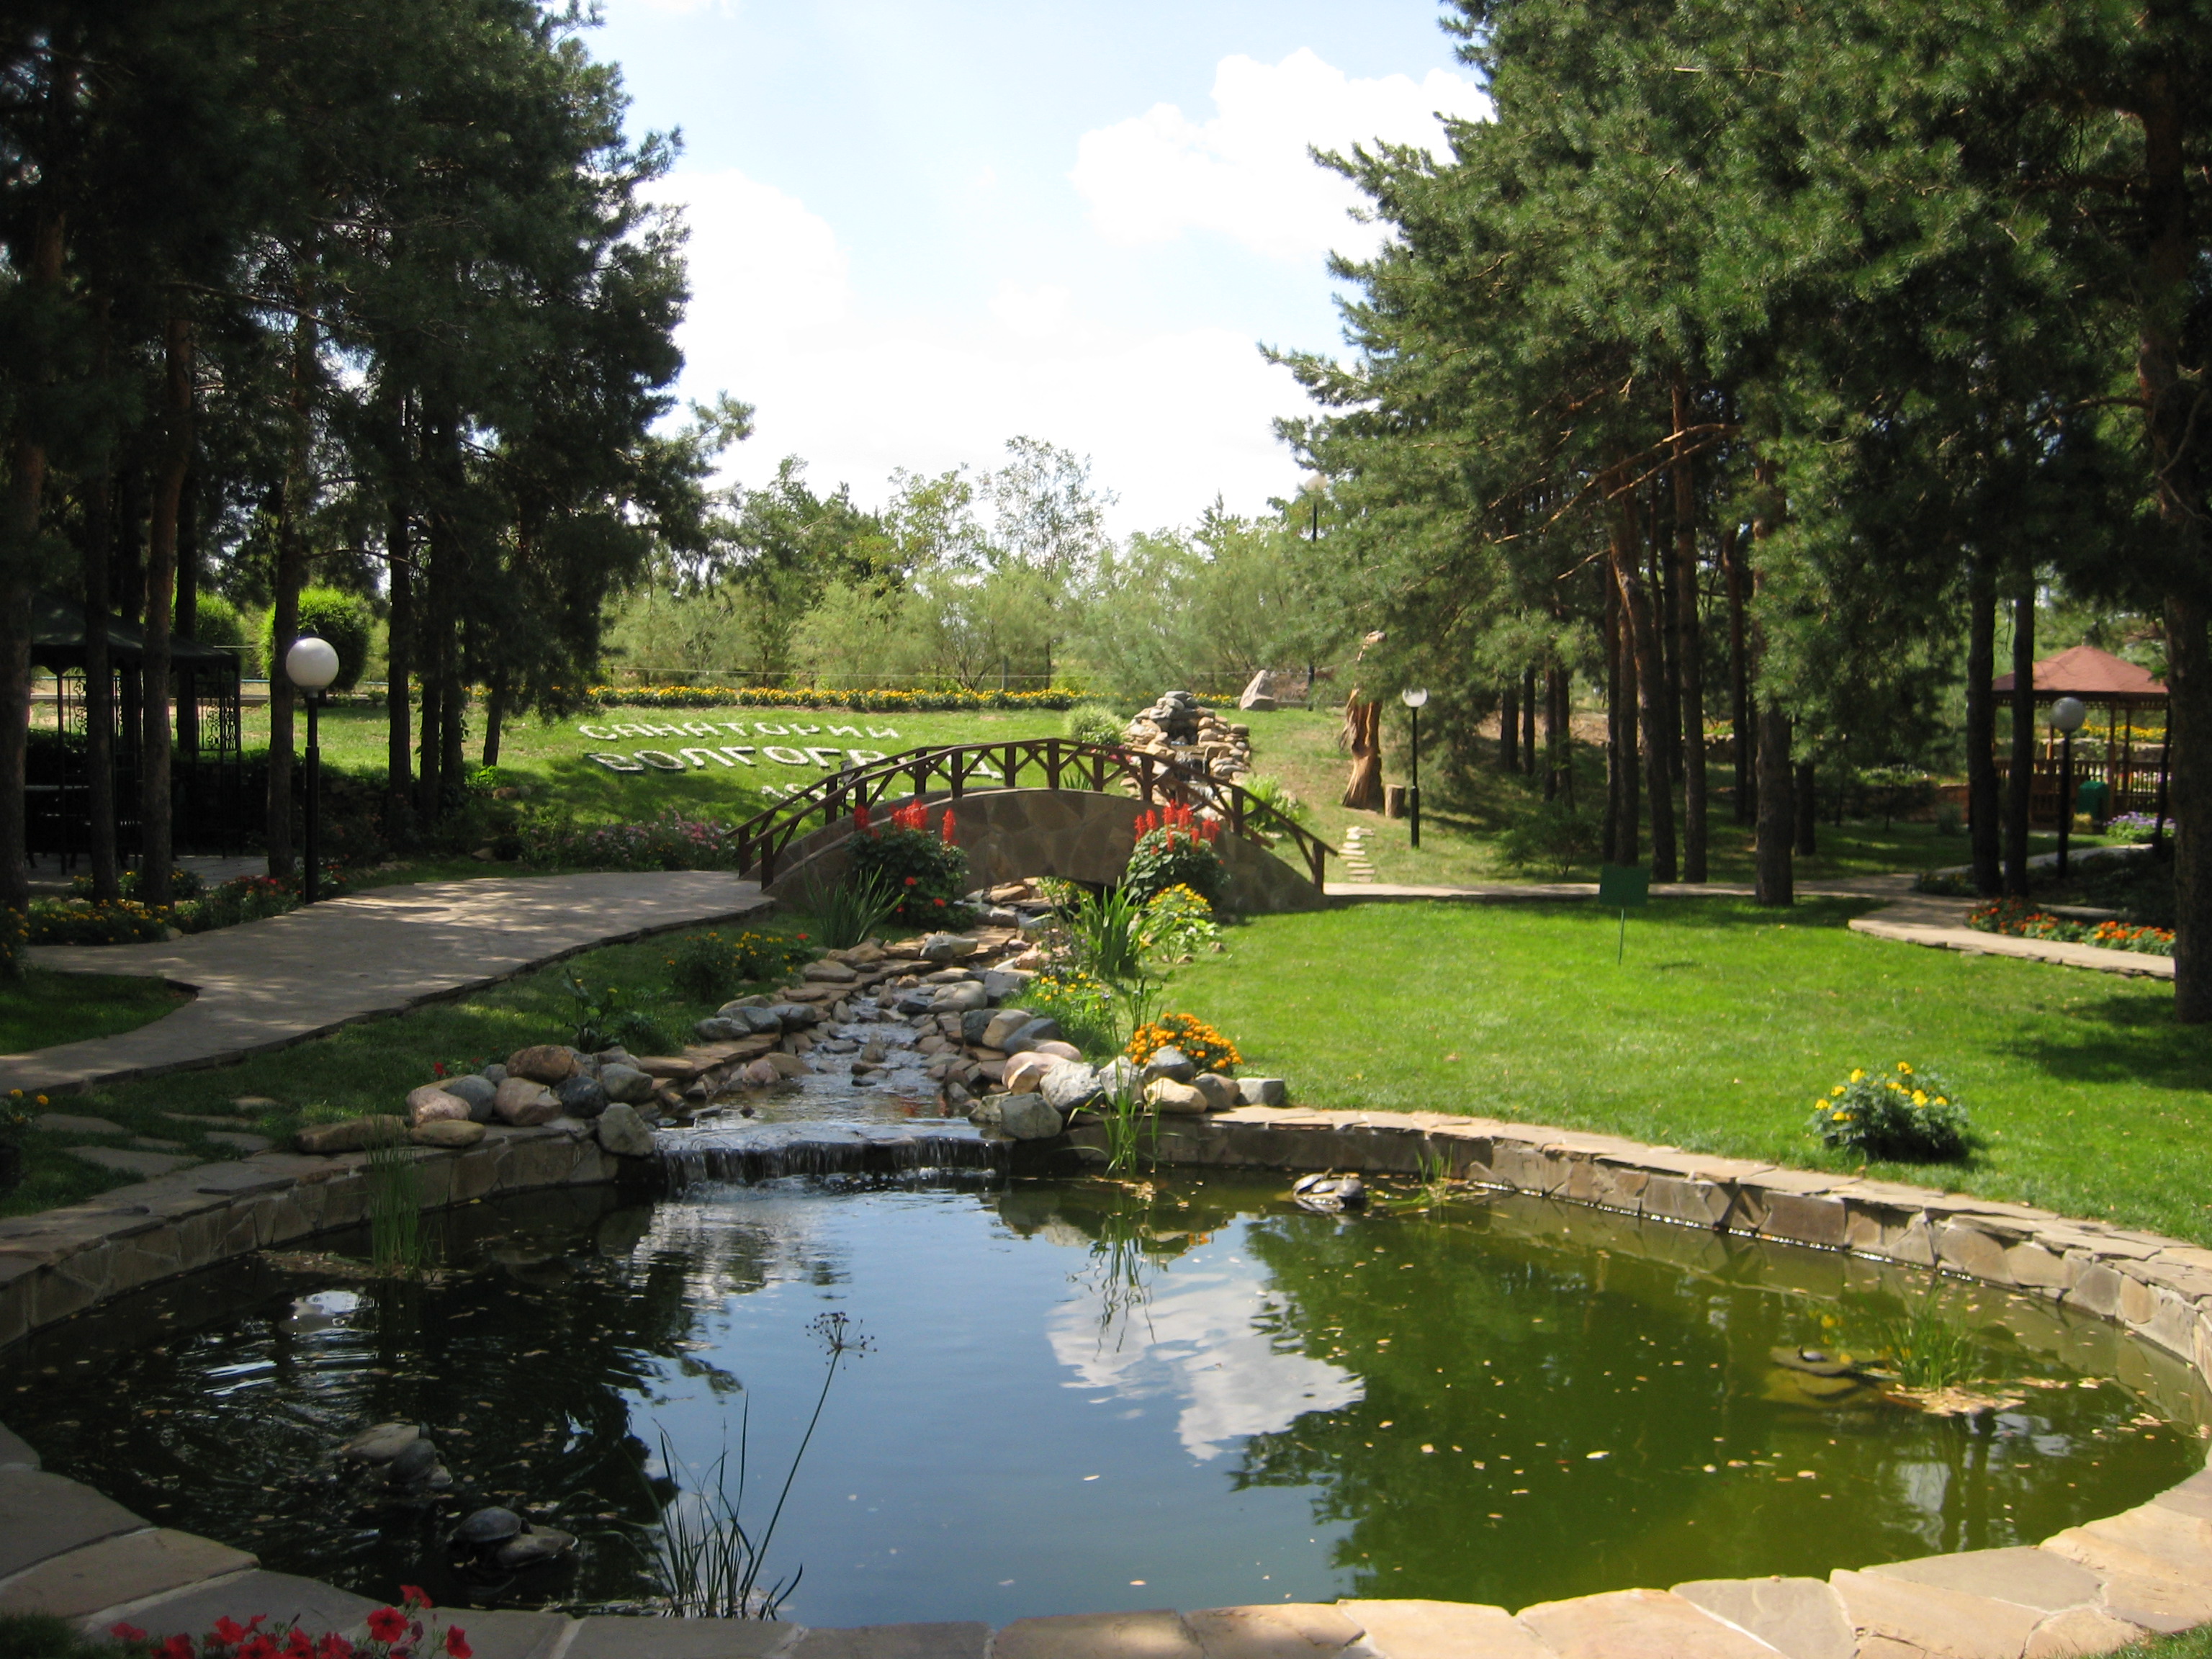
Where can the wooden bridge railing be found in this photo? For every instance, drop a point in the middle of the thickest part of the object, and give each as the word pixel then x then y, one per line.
pixel 1055 762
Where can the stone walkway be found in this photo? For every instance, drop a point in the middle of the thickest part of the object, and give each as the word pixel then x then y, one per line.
pixel 267 984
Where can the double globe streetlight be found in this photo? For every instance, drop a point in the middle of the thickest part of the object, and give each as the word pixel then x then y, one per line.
pixel 312 665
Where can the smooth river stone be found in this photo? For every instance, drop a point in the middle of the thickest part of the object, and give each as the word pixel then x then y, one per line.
pixel 523 1103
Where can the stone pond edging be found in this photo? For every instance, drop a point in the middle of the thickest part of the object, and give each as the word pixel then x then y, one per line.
pixel 2091 1589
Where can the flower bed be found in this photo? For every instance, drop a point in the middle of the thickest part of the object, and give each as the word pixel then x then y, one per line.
pixel 2017 919
pixel 668 841
pixel 865 699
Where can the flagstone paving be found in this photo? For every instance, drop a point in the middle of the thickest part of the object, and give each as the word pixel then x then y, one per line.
pixel 264 985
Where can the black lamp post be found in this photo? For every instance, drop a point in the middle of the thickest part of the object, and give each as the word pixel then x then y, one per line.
pixel 312 665
pixel 2066 717
pixel 1413 700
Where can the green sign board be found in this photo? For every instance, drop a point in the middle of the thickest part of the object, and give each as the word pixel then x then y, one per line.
pixel 1619 887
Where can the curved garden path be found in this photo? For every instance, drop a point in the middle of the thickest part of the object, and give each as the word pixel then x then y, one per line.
pixel 267 984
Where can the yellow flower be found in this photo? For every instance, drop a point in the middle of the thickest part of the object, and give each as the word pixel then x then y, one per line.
pixel 1858 1075
pixel 1837 1090
pixel 1919 1097
pixel 1940 1101
pixel 1903 1067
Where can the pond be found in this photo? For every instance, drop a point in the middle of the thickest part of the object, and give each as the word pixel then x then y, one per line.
pixel 1081 1395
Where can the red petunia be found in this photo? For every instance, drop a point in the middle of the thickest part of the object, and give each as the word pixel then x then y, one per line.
pixel 457 1643
pixel 228 1630
pixel 258 1646
pixel 298 1644
pixel 414 1596
pixel 334 1646
pixel 388 1624
pixel 178 1646
pixel 127 1633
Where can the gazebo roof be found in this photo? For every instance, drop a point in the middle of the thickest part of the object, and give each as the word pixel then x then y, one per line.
pixel 58 639
pixel 2093 675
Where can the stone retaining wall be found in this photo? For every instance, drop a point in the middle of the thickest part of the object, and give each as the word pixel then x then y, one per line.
pixel 2091 1589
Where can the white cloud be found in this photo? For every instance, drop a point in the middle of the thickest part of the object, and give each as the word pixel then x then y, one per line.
pixel 1245 172
pixel 1170 415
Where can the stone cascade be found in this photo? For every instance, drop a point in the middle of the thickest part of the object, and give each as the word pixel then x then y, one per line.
pixel 1177 728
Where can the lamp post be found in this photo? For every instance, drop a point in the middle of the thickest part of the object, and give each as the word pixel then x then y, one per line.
pixel 1413 699
pixel 2066 717
pixel 312 665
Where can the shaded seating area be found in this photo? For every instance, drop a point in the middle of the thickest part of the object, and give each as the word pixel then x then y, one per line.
pixel 2122 746
pixel 206 782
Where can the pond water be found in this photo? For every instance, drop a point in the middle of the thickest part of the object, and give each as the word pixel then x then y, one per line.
pixel 1081 1395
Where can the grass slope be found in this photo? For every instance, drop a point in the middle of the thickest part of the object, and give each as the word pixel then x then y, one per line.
pixel 366 1067
pixel 43 1008
pixel 1717 1030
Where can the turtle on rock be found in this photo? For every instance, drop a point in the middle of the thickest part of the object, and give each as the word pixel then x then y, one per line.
pixel 1330 1194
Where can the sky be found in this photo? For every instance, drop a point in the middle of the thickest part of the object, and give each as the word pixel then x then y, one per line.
pixel 921 227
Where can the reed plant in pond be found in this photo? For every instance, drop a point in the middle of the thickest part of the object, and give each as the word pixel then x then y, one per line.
pixel 396 1245
pixel 1927 1347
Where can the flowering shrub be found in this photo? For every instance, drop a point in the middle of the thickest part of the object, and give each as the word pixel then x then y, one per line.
pixel 79 921
pixel 1080 1002
pixel 183 885
pixel 709 967
pixel 254 898
pixel 399 1632
pixel 2015 919
pixel 865 699
pixel 15 934
pixel 926 873
pixel 1178 921
pixel 2135 827
pixel 668 841
pixel 1175 849
pixel 1904 1115
pixel 1208 1050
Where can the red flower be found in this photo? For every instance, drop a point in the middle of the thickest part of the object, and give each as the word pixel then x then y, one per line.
pixel 939 904
pixel 945 827
pixel 298 1644
pixel 127 1633
pixel 414 1596
pixel 228 1630
pixel 457 1643
pixel 910 880
pixel 334 1646
pixel 438 1068
pixel 387 1625
pixel 178 1646
pixel 860 819
pixel 258 1646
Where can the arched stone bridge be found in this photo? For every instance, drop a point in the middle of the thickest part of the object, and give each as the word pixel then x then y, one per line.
pixel 1037 806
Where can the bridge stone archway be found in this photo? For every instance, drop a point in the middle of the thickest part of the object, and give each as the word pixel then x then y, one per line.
pixel 1078 834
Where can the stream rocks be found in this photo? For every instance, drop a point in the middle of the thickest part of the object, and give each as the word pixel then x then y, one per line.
pixel 1178 728
pixel 623 1132
pixel 354 1134
pixel 431 1103
pixel 523 1102
pixel 543 1062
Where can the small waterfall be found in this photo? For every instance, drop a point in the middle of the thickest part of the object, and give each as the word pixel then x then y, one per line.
pixel 767 1151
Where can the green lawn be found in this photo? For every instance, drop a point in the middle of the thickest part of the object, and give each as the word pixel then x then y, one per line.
pixel 1717 1030
pixel 1461 815
pixel 368 1067
pixel 45 1008
pixel 550 760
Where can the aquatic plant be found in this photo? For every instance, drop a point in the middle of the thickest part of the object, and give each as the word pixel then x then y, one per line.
pixel 1926 1347
pixel 397 1247
pixel 708 1564
pixel 850 910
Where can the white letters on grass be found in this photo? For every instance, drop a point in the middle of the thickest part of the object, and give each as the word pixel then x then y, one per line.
pixel 704 757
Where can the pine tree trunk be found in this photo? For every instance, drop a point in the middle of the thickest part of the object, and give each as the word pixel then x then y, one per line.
pixel 2189 730
pixel 100 692
pixel 188 610
pixel 284 620
pixel 429 778
pixel 1805 798
pixel 1642 629
pixel 1611 631
pixel 399 664
pixel 1982 828
pixel 155 866
pixel 1689 649
pixel 1777 814
pixel 27 483
pixel 1742 718
pixel 1658 567
pixel 1508 730
pixel 494 716
pixel 1528 722
pixel 1553 739
pixel 2020 785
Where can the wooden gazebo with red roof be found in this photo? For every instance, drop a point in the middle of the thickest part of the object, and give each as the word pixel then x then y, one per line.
pixel 2134 766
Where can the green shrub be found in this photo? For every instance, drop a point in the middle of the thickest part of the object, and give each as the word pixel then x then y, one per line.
pixel 1093 722
pixel 1274 793
pixel 1905 1114
pixel 218 621
pixel 1178 922
pixel 72 921
pixel 926 873
pixel 332 614
pixel 1175 849
pixel 15 934
pixel 850 910
pixel 713 967
pixel 1554 838
pixel 602 1022
pixel 1082 1005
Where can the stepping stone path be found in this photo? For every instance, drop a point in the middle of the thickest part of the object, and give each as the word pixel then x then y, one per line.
pixel 68 1123
pixel 1356 862
pixel 133 1163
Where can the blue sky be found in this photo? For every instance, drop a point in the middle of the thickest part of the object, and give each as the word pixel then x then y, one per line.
pixel 921 228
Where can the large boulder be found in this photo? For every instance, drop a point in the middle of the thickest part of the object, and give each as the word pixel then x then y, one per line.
pixel 1261 1090
pixel 1181 1099
pixel 826 972
pixel 477 1090
pixel 714 1029
pixel 1258 692
pixel 1172 1064
pixel 626 1084
pixel 623 1132
pixel 1029 1117
pixel 582 1096
pixel 942 948
pixel 959 998
pixel 454 1135
pixel 1220 1092
pixel 524 1103
pixel 1024 1073
pixel 1069 1086
pixel 998 1026
pixel 1028 1036
pixel 431 1104
pixel 757 1018
pixel 543 1062
pixel 796 1016
pixel 354 1135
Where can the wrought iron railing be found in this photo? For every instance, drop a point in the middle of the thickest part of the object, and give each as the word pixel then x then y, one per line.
pixel 1054 763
